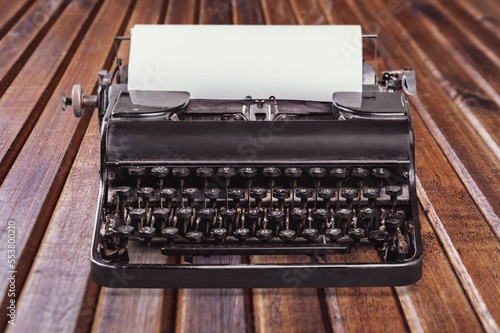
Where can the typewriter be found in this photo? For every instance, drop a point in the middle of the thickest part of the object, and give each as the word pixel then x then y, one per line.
pixel 256 177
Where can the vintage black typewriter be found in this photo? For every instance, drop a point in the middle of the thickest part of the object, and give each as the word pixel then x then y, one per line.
pixel 256 178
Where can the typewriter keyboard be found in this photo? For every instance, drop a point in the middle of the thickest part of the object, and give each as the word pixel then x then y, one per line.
pixel 258 210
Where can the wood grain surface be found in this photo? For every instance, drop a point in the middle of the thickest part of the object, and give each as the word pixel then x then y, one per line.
pixel 49 171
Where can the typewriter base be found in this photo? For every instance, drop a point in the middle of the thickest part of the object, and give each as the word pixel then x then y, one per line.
pixel 257 275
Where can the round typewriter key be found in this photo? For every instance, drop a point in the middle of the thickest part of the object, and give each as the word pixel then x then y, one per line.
pixel 212 193
pixel 287 235
pixel 123 231
pixel 219 234
pixel 168 193
pixel 271 172
pixel 248 172
pixel 258 192
pixel 160 213
pixel 320 214
pixel 194 236
pixel 253 213
pixel 304 193
pixel 180 172
pixel 293 172
pixel 317 172
pixel 241 233
pixel 145 192
pixel 147 232
pixel 359 172
pixel 276 216
pixel 236 193
pixel 381 173
pixel 204 172
pixel 344 213
pixel 392 223
pixel 334 234
pixel 229 213
pixel 299 214
pixel 310 234
pixel 190 193
pixel 159 172
pixel 393 191
pixel 349 193
pixel 264 235
pixel 338 173
pixel 137 171
pixel 137 213
pixel 226 172
pixel 326 193
pixel 371 192
pixel 367 213
pixel 355 233
pixel 170 233
pixel 184 213
pixel 281 193
pixel 123 191
pixel 378 236
pixel 207 213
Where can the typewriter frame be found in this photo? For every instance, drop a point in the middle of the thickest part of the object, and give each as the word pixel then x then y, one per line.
pixel 248 275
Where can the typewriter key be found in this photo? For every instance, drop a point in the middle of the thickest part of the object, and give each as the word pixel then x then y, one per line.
pixel 123 232
pixel 137 172
pixel 276 217
pixel 281 194
pixel 264 235
pixel 137 216
pixel 339 174
pixel 248 172
pixel 287 235
pixel 371 193
pixel 160 173
pixel 320 217
pixel 253 215
pixel 326 194
pixel 194 237
pixel 160 215
pixel 272 173
pixel 394 191
pixel 170 233
pixel 191 194
pixel 344 216
pixel 147 233
pixel 229 215
pixel 379 238
pixel 392 223
pixel 236 195
pixel 356 234
pixel 241 234
pixel 258 193
pixel 205 174
pixel 317 174
pixel 381 174
pixel 213 194
pixel 181 173
pixel 145 193
pixel 304 194
pixel 294 174
pixel 334 234
pixel 349 194
pixel 206 216
pixel 227 174
pixel 219 234
pixel 168 194
pixel 310 234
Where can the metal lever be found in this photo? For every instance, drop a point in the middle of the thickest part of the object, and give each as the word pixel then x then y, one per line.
pixel 78 101
pixel 401 79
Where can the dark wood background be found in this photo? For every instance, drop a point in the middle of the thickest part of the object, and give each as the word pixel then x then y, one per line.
pixel 49 170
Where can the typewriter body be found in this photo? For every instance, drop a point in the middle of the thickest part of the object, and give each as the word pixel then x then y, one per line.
pixel 267 177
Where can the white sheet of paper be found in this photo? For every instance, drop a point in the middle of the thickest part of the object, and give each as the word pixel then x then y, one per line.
pixel 235 61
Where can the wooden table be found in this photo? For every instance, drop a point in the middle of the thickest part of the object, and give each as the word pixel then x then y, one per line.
pixel 50 163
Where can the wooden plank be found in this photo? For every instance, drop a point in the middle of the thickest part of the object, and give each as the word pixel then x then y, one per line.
pixel 487 18
pixel 29 194
pixel 472 68
pixel 247 12
pixel 308 12
pixel 17 46
pixel 215 12
pixel 182 12
pixel 11 12
pixel 223 310
pixel 289 309
pixel 37 79
pixel 277 12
